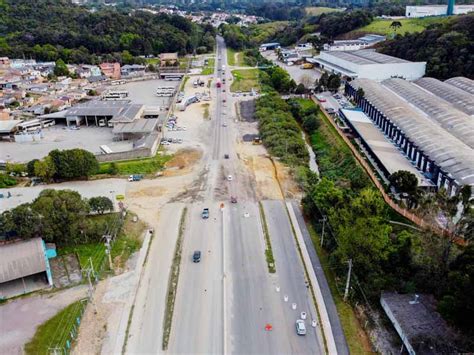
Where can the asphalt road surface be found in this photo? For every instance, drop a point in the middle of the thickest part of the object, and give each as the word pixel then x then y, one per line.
pixel 224 302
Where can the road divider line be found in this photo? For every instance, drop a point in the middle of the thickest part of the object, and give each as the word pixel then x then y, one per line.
pixel 315 288
pixel 173 283
pixel 268 245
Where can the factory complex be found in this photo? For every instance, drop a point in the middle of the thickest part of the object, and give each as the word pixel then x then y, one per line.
pixel 425 120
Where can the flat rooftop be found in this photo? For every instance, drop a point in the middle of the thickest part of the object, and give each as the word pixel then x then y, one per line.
pixel 393 159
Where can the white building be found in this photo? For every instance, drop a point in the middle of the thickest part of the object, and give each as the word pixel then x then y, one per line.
pixel 354 44
pixel 369 64
pixel 436 10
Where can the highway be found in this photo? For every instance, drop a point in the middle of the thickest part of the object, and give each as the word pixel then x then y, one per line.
pixel 224 302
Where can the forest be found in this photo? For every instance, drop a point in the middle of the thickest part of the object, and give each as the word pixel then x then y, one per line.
pixel 50 30
pixel 447 47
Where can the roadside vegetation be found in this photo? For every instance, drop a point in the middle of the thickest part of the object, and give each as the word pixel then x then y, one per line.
pixel 209 68
pixel 147 166
pixel 268 245
pixel 55 332
pixel 245 80
pixel 7 181
pixel 235 58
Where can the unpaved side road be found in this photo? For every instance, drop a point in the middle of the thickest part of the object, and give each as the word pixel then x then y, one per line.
pixel 146 328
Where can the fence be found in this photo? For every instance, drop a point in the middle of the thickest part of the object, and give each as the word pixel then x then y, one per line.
pixel 407 214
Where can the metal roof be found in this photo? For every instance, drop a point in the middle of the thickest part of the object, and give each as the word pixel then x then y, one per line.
pixel 137 126
pixel 366 56
pixel 459 98
pixel 8 126
pixel 119 110
pixel 450 153
pixel 462 83
pixel 21 259
pixel 454 121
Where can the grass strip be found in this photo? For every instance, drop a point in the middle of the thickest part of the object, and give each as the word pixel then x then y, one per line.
pixel 356 338
pixel 54 333
pixel 136 166
pixel 173 283
pixel 268 250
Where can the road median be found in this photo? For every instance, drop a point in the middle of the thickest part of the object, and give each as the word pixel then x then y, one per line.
pixel 173 283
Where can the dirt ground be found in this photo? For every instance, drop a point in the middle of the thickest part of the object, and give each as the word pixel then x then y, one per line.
pixel 182 162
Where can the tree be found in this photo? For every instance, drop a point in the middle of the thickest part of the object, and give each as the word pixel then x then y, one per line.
pixel 300 89
pixel 101 204
pixel 360 92
pixel 395 25
pixel 30 167
pixel 45 169
pixel 334 82
pixel 60 69
pixel 63 215
pixel 113 168
pixel 310 123
pixel 457 303
pixel 73 163
pixel 21 221
pixel 404 181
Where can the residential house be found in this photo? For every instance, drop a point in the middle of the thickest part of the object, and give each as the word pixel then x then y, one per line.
pixel 111 70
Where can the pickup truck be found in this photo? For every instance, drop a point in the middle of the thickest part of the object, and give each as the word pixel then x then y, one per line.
pixel 205 213
pixel 135 177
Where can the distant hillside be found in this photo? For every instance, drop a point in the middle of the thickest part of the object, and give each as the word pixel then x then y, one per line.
pixel 316 11
pixel 409 25
pixel 52 29
pixel 447 46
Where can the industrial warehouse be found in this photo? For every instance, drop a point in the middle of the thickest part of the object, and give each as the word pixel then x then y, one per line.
pixel 434 134
pixel 368 64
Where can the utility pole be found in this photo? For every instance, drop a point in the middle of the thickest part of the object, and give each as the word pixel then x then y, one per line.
pixel 107 250
pixel 346 292
pixel 322 234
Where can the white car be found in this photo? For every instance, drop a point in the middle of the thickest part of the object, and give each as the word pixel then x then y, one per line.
pixel 229 178
pixel 300 327
pixel 224 124
pixel 303 315
pixel 165 143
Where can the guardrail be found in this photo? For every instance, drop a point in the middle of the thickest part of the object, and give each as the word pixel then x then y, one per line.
pixel 405 213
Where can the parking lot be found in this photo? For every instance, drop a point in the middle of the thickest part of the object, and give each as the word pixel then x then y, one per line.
pixel 60 137
pixel 304 76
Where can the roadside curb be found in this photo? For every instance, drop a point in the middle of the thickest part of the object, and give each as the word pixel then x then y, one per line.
pixel 325 323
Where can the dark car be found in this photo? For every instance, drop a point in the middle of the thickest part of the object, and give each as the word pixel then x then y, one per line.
pixel 226 156
pixel 197 256
pixel 233 199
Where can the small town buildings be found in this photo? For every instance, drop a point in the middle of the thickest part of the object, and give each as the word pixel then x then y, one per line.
pixel 269 46
pixel 133 70
pixel 354 44
pixel 111 70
